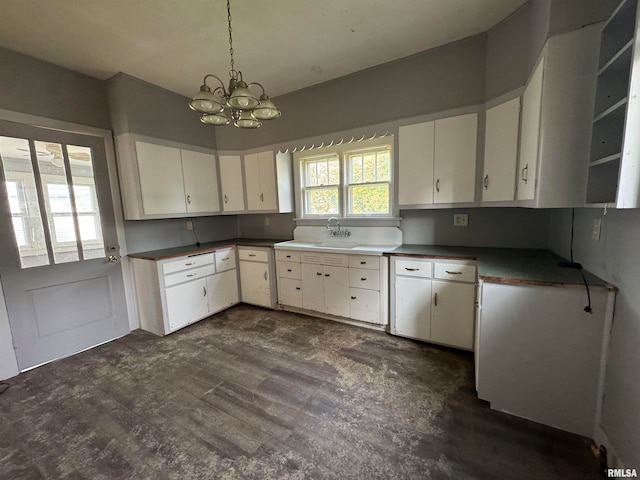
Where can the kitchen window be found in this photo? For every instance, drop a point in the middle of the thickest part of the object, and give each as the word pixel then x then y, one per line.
pixel 349 181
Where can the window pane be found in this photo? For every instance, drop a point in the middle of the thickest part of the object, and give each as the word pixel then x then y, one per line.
pixel 369 199
pixel 384 167
pixel 369 167
pixel 356 169
pixel 60 215
pixel 322 201
pixel 84 189
pixel 334 172
pixel 27 222
pixel 322 171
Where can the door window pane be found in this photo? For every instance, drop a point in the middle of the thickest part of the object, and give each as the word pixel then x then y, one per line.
pixel 23 202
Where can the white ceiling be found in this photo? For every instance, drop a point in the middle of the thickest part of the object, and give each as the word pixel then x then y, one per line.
pixel 284 44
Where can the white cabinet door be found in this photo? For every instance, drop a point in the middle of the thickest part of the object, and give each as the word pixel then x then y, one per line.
pixel 452 313
pixel 365 305
pixel 413 307
pixel 255 284
pixel 161 185
pixel 290 292
pixel 222 290
pixel 268 184
pixel 231 183
pixel 252 181
pixel 415 184
pixel 313 287
pixel 186 303
pixel 336 291
pixel 455 159
pixel 529 140
pixel 501 151
pixel 200 182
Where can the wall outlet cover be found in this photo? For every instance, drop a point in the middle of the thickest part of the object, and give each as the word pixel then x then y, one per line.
pixel 460 219
pixel 266 220
pixel 597 226
pixel 189 225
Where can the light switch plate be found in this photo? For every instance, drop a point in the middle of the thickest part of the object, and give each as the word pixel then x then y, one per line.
pixel 460 219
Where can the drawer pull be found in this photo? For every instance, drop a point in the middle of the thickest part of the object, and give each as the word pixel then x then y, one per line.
pixel 453 273
pixel 363 263
pixel 288 256
pixel 192 275
pixel 411 269
pixel 189 264
pixel 326 275
pixel 288 269
pixel 353 298
pixel 318 273
pixel 297 288
pixel 252 254
pixel 225 259
pixel 435 299
pixel 364 279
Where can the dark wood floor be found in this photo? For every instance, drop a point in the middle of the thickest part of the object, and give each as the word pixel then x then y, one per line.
pixel 252 393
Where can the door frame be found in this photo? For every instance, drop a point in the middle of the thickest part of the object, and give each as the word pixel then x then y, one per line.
pixel 11 369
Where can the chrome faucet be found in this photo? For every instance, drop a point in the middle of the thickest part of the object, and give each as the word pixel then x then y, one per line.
pixel 334 230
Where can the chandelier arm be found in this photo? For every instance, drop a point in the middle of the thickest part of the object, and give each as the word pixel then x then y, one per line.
pixel 260 85
pixel 217 78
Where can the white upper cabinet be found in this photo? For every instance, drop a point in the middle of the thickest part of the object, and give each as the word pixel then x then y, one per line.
pixel 501 151
pixel 438 161
pixel 165 181
pixel 231 183
pixel 269 182
pixel 160 173
pixel 416 164
pixel 454 169
pixel 200 181
pixel 531 107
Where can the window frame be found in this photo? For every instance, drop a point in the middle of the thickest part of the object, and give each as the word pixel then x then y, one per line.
pixel 344 198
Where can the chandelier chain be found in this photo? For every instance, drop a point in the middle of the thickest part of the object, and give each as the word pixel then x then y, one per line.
pixel 232 72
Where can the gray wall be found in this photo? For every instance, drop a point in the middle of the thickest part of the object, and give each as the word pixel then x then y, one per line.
pixel 488 227
pixel 441 79
pixel 35 87
pixel 280 226
pixel 616 259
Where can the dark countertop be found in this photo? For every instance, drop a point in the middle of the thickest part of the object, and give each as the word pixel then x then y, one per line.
pixel 509 265
pixel 495 265
pixel 202 248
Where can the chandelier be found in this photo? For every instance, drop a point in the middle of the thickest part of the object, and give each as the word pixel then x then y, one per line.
pixel 237 102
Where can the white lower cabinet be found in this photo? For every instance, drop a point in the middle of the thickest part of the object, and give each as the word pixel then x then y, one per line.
pixel 337 285
pixel 173 293
pixel 433 300
pixel 257 276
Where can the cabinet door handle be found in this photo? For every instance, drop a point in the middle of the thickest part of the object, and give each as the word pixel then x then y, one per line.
pixel 363 263
pixel 318 273
pixel 192 275
pixel 189 199
pixel 205 291
pixel 288 269
pixel 225 259
pixel 524 176
pixel 411 269
pixel 438 185
pixel 353 298
pixel 453 273
pixel 327 275
pixel 226 199
pixel 189 264
pixel 364 279
pixel 297 288
pixel 485 182
pixel 262 197
pixel 435 299
pixel 265 275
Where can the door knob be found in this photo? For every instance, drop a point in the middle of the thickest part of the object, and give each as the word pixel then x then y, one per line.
pixel 113 258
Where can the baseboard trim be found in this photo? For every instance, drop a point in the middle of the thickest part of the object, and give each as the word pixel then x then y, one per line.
pixel 600 437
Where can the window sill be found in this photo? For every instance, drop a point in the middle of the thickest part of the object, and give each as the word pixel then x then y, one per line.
pixel 352 221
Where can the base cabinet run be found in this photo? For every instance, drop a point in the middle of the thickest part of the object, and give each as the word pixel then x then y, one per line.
pixel 337 285
pixel 433 300
pixel 176 292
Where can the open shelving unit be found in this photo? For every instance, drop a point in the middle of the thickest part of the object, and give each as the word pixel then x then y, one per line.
pixel 610 161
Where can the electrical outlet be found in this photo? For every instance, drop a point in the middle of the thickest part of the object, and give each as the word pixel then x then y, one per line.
pixel 266 220
pixel 189 225
pixel 460 219
pixel 597 225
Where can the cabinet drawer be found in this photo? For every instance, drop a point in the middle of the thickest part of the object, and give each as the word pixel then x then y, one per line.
pixel 260 255
pixel 288 255
pixel 455 271
pixel 365 305
pixel 185 263
pixel 413 268
pixel 364 261
pixel 362 278
pixel 289 270
pixel 194 273
pixel 225 260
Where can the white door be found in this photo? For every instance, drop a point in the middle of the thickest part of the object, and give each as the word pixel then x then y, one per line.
pixel 529 139
pixel 267 167
pixel 455 149
pixel 413 307
pixel 415 184
pixel 200 182
pixel 160 170
pixel 336 291
pixel 501 152
pixel 231 183
pixel 57 232
pixel 452 313
pixel 313 287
